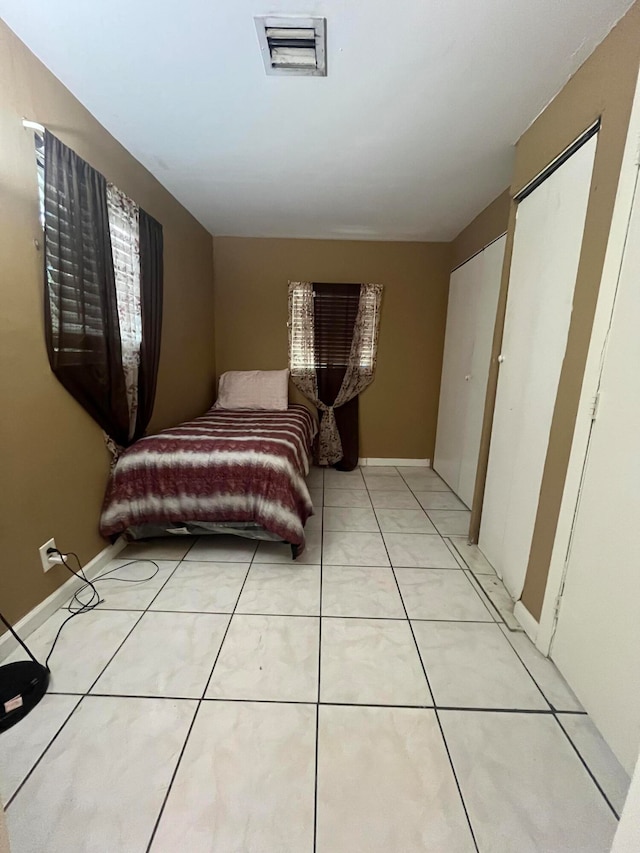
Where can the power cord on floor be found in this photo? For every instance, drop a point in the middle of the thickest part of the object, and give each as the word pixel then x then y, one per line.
pixel 77 606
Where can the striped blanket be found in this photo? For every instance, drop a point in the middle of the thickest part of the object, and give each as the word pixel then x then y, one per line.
pixel 227 466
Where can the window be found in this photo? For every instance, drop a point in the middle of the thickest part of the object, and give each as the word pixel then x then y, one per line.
pixel 125 246
pixel 322 320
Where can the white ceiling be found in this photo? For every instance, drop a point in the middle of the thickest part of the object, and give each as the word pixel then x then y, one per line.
pixel 408 137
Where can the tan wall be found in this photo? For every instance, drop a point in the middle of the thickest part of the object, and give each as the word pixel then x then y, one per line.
pixel 485 228
pixel 54 464
pixel 398 412
pixel 603 86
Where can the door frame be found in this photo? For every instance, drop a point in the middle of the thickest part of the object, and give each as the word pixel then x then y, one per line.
pixel 542 633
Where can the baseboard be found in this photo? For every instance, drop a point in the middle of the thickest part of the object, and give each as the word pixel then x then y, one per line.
pixel 526 620
pixel 406 463
pixel 39 615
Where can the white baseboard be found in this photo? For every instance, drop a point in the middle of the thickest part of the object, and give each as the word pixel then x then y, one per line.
pixel 39 615
pixel 526 620
pixel 406 463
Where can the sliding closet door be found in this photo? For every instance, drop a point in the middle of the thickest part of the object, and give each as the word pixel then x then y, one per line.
pixel 597 639
pixel 485 304
pixel 547 243
pixel 458 349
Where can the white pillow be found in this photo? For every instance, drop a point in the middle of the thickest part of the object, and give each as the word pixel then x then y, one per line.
pixel 253 389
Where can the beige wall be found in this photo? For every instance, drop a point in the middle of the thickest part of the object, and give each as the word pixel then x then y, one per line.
pixel 54 464
pixel 603 86
pixel 485 228
pixel 398 412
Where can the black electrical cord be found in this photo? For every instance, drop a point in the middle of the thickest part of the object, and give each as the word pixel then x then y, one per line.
pixel 77 606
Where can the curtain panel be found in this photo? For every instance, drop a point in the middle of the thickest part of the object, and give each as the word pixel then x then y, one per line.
pixel 82 328
pixel 103 294
pixel 360 369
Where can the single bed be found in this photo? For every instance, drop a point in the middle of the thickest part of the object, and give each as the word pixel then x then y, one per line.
pixel 228 471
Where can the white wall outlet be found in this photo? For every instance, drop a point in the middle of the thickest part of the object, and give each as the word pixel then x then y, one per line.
pixel 48 560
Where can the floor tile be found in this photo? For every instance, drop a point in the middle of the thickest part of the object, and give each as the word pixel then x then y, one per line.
pixel 389 499
pixel 417 550
pixel 316 496
pixel 472 556
pixel 223 548
pixel 483 595
pixel 360 591
pixel 84 648
pixel 343 479
pixel 315 478
pixel 611 776
pixel 379 471
pixel 404 521
pixel 371 662
pixel 268 658
pixel 425 483
pixel 289 590
pixel 471 665
pixel 435 484
pixel 168 654
pixel 440 594
pixel 280 552
pixel 131 587
pixel 543 671
pixel 101 784
pixel 167 548
pixel 440 500
pixel 203 587
pixel 354 549
pixel 23 744
pixel 386 484
pixel 450 521
pixel 350 519
pixel 524 787
pixel 347 497
pixel 385 784
pixel 416 471
pixel 245 782
pixel 500 598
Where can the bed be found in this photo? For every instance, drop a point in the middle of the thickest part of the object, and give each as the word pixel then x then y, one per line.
pixel 228 471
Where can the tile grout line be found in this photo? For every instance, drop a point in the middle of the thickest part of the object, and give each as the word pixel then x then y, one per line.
pixel 552 710
pixel 586 767
pixel 435 709
pixel 197 709
pixel 315 784
pixel 86 693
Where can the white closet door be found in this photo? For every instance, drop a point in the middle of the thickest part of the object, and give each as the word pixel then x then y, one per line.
pixel 485 304
pixel 456 365
pixel 597 640
pixel 546 252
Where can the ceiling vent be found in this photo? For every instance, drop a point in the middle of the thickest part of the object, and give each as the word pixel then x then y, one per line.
pixel 293 45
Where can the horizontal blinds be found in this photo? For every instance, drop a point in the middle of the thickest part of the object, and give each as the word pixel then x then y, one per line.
pixel 78 314
pixel 335 312
pixel 301 348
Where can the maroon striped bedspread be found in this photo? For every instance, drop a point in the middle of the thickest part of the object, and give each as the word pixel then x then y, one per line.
pixel 226 466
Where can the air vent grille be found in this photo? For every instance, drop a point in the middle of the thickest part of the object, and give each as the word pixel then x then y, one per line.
pixel 293 45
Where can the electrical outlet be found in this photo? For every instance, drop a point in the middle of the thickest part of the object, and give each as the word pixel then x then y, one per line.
pixel 48 560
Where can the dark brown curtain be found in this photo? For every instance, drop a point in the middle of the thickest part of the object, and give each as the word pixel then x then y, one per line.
pixel 81 314
pixel 335 311
pixel 151 288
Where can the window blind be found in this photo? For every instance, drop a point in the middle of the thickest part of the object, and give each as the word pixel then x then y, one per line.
pixel 335 312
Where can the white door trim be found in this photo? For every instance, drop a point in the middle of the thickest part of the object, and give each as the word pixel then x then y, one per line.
pixel 604 309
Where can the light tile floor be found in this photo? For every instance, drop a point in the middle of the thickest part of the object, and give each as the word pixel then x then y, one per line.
pixel 370 698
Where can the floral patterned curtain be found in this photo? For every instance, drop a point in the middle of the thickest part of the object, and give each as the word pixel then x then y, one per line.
pixel 124 227
pixel 362 359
